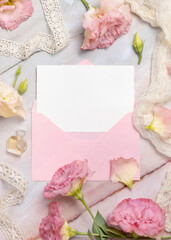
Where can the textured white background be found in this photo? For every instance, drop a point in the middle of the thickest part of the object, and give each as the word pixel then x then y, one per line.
pixel 101 195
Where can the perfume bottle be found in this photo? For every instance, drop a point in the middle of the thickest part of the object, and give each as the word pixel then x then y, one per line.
pixel 17 144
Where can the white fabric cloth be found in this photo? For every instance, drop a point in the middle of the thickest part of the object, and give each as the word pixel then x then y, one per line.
pixel 158 14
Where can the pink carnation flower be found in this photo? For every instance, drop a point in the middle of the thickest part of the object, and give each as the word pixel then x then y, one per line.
pixel 54 227
pixel 14 12
pixel 143 216
pixel 67 180
pixel 104 25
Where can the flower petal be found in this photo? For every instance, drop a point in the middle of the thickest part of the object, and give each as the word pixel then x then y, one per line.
pixel 12 18
pixel 161 122
pixel 123 170
pixel 10 102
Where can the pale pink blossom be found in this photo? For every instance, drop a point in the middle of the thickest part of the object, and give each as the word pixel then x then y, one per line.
pixel 54 227
pixel 142 216
pixel 13 13
pixel 104 25
pixel 161 122
pixel 67 180
pixel 123 170
pixel 11 103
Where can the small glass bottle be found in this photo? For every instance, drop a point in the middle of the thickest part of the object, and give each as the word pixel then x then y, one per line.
pixel 17 144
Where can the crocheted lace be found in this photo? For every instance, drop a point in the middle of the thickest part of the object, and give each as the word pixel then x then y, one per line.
pixel 49 43
pixel 158 14
pixel 16 196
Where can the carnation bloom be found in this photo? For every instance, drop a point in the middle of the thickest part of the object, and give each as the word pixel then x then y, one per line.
pixel 123 170
pixel 14 12
pixel 142 216
pixel 68 180
pixel 54 227
pixel 161 122
pixel 104 25
pixel 10 102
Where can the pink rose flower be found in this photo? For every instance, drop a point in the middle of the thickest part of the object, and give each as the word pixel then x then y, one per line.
pixel 143 216
pixel 67 180
pixel 104 25
pixel 162 122
pixel 54 227
pixel 14 12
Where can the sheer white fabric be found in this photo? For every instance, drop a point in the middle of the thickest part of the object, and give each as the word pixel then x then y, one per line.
pixel 158 14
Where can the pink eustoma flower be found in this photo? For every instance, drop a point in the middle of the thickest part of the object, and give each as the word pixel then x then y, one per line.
pixel 104 25
pixel 67 180
pixel 54 227
pixel 161 122
pixel 14 12
pixel 142 216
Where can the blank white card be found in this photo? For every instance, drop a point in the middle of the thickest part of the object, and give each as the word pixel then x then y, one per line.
pixel 85 98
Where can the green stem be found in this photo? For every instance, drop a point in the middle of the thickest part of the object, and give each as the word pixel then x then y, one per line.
pixel 78 194
pixel 169 237
pixel 94 234
pixel 140 58
pixel 87 207
pixel 15 81
pixel 85 4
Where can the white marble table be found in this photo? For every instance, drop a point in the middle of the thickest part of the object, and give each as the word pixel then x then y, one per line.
pixel 100 195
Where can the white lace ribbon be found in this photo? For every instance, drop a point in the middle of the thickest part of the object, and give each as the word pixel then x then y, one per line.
pixel 49 43
pixel 19 183
pixel 158 14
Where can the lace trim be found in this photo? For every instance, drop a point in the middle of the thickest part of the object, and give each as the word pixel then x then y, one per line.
pixel 159 91
pixel 15 178
pixel 43 41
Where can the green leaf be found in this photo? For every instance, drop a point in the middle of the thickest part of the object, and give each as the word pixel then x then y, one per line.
pixel 99 221
pixel 100 226
pixel 115 232
pixel 89 234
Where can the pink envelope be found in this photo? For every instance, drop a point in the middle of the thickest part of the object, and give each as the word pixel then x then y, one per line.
pixel 52 147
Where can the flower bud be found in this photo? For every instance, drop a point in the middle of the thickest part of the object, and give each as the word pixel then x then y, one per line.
pixel 138 46
pixel 23 87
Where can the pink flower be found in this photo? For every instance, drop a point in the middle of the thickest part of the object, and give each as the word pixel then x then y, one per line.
pixel 54 227
pixel 14 12
pixel 104 25
pixel 161 122
pixel 142 216
pixel 67 180
pixel 11 103
pixel 123 170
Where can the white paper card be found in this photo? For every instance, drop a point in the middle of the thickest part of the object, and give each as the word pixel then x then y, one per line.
pixel 85 98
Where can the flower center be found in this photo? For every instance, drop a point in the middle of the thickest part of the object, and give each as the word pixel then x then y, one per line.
pixel 7 5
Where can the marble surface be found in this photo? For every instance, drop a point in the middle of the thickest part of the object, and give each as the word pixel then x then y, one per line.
pixel 100 195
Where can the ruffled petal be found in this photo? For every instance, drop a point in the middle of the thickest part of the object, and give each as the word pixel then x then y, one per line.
pixel 162 122
pixel 13 15
pixel 123 170
pixel 10 102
